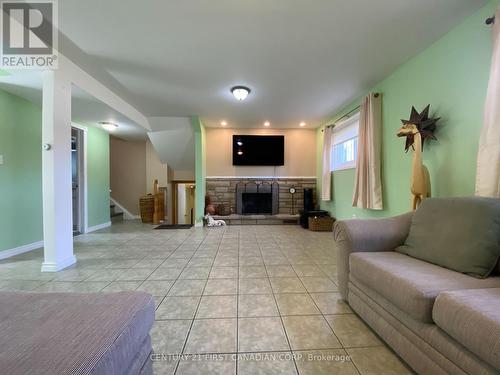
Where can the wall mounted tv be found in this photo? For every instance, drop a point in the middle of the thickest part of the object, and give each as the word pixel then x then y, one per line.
pixel 259 150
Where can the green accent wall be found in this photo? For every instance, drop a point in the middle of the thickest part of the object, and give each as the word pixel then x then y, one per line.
pixel 21 172
pixel 200 168
pixel 451 75
pixel 98 176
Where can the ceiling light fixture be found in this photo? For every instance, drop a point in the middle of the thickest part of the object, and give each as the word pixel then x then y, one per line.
pixel 302 124
pixel 108 125
pixel 223 123
pixel 240 92
pixel 267 124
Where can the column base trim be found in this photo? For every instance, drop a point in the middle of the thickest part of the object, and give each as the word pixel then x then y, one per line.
pixel 58 266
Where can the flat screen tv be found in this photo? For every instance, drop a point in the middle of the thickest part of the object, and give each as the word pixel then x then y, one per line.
pixel 259 150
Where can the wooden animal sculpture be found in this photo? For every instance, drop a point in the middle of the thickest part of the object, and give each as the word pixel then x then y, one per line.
pixel 416 130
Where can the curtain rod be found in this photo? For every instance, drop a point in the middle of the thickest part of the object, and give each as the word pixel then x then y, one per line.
pixel 490 21
pixel 347 115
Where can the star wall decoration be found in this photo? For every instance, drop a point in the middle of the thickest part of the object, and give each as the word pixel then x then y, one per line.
pixel 425 125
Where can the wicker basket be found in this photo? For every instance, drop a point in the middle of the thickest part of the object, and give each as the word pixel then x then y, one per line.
pixel 223 210
pixel 147 205
pixel 321 224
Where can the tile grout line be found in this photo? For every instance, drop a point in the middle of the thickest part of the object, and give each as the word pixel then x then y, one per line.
pixel 279 312
pixel 238 303
pixel 199 301
pixel 331 328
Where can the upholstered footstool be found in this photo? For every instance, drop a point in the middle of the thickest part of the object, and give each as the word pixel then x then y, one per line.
pixel 75 333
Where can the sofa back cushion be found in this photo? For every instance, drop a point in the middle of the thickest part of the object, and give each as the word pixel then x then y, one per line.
pixel 461 234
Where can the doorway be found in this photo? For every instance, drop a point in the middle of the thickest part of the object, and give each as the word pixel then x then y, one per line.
pixel 78 179
pixel 183 202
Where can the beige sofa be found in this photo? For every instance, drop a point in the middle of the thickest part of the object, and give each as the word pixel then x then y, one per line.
pixel 439 321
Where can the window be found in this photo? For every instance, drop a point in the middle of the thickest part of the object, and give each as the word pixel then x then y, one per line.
pixel 345 144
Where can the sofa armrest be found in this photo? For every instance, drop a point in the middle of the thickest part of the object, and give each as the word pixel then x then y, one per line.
pixel 369 235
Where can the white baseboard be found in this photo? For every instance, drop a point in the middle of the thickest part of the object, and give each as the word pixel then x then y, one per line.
pixel 127 215
pixel 4 254
pixel 99 227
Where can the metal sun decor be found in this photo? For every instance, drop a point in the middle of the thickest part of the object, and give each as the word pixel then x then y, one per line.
pixel 425 126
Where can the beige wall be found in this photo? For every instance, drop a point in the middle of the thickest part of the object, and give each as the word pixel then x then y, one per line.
pixel 183 176
pixel 300 153
pixel 127 172
pixel 154 168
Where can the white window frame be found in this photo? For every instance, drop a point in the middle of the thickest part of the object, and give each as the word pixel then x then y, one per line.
pixel 343 134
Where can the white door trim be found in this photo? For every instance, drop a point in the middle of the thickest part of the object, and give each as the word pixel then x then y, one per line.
pixel 84 191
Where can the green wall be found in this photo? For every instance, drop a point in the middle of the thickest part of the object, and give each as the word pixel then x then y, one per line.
pixel 21 173
pixel 200 168
pixel 98 176
pixel 451 75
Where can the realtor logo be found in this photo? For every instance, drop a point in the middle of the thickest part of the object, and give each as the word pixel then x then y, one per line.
pixel 29 34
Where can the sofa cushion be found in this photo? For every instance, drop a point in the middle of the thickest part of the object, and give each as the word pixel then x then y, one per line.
pixel 73 333
pixel 410 284
pixel 462 234
pixel 472 317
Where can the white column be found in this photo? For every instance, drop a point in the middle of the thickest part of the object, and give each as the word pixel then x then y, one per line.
pixel 56 163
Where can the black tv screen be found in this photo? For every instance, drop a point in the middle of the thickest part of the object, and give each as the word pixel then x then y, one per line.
pixel 258 150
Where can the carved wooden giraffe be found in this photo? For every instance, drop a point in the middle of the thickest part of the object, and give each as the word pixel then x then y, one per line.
pixel 420 180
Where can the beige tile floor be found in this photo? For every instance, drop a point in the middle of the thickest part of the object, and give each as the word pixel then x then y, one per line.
pixel 235 300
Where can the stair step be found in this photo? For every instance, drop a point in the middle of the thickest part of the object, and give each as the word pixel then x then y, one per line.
pixel 116 214
pixel 112 206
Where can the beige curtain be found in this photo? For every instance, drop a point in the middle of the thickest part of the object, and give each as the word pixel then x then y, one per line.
pixel 368 185
pixel 326 181
pixel 488 159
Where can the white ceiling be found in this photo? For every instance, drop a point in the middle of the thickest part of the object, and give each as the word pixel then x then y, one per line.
pixel 85 108
pixel 173 140
pixel 302 59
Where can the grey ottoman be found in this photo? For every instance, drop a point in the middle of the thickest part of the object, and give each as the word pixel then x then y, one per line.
pixel 75 333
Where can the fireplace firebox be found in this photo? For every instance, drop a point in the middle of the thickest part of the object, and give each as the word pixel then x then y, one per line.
pixel 257 198
pixel 257 203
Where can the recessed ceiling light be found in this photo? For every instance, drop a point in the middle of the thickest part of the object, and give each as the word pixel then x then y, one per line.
pixel 239 143
pixel 302 124
pixel 240 152
pixel 223 123
pixel 109 126
pixel 267 124
pixel 240 92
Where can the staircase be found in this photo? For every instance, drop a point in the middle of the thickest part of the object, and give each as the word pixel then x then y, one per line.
pixel 115 214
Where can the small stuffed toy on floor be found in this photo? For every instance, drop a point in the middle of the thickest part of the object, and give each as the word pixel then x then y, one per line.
pixel 211 222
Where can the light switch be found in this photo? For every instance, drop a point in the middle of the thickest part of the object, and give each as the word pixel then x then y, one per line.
pixel 1 159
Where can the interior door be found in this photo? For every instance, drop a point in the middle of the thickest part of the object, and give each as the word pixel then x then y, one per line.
pixel 184 201
pixel 76 178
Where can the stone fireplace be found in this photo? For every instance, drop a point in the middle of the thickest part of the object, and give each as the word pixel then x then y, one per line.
pixel 228 191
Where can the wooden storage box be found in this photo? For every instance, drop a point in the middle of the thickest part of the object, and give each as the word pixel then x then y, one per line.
pixel 321 224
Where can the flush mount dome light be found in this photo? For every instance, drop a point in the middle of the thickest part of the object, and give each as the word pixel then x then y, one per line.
pixel 240 92
pixel 109 126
